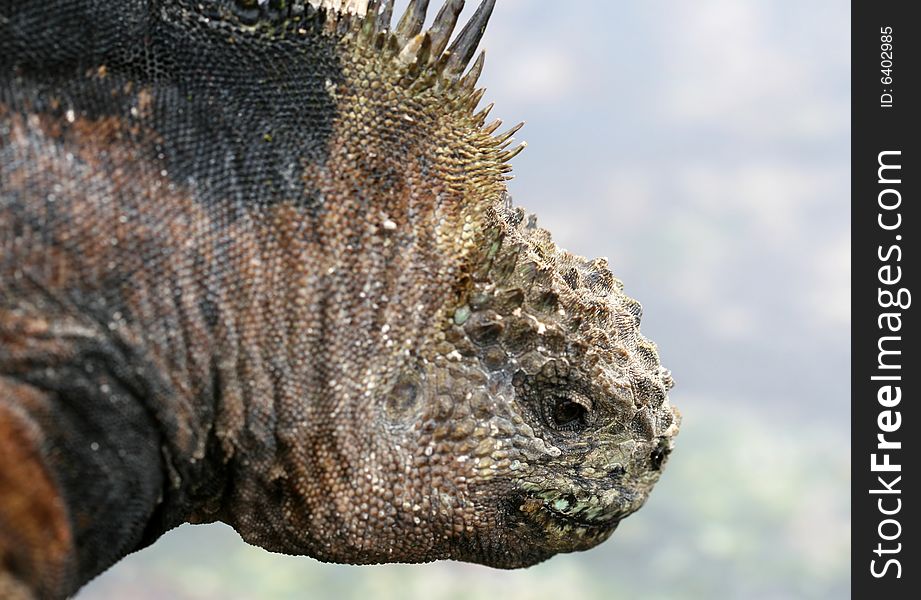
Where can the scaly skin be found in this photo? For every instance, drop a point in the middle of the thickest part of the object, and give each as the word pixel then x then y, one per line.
pixel 258 265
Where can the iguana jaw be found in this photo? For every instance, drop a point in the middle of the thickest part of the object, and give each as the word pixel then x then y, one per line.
pixel 534 529
pixel 573 520
pixel 579 529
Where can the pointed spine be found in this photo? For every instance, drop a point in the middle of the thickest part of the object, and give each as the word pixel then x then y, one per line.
pixel 480 117
pixel 412 20
pixel 474 98
pixel 465 45
pixel 369 23
pixel 510 154
pixel 469 80
pixel 417 52
pixel 385 16
pixel 492 127
pixel 444 25
pixel 504 137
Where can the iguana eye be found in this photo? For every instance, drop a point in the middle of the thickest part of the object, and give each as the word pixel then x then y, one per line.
pixel 568 414
pixel 659 455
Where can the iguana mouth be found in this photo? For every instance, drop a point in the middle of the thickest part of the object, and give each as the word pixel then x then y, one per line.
pixel 591 523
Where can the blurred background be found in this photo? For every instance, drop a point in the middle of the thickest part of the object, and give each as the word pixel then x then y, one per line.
pixel 704 148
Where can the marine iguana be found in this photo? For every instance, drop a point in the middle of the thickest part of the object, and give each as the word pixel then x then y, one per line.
pixel 258 265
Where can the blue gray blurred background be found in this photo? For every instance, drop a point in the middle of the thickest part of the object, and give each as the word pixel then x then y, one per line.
pixel 704 148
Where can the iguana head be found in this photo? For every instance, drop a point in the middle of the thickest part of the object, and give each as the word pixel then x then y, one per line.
pixel 541 416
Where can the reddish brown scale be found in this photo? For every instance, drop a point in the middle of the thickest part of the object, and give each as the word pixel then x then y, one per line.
pixel 35 539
